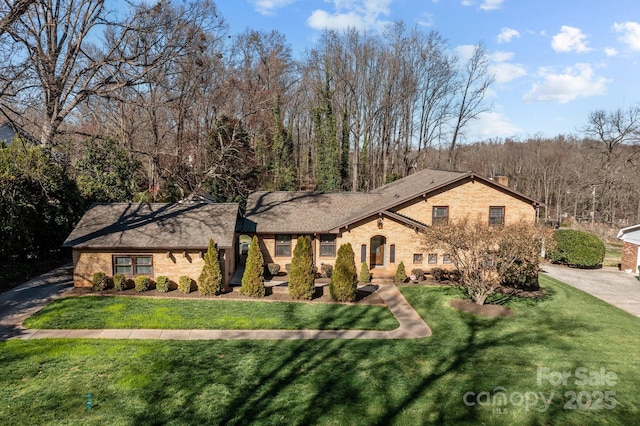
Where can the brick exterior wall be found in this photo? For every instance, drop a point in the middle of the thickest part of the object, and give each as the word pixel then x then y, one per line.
pixel 629 257
pixel 87 262
pixel 471 199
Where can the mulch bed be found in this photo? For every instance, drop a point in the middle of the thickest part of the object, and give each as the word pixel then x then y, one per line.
pixel 364 296
pixel 491 311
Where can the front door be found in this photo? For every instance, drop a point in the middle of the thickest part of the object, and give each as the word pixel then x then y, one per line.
pixel 376 257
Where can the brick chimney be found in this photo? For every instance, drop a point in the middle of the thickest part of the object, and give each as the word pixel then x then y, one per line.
pixel 501 179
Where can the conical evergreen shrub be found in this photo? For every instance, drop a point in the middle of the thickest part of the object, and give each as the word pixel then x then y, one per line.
pixel 301 276
pixel 253 277
pixel 365 275
pixel 210 280
pixel 344 279
pixel 401 273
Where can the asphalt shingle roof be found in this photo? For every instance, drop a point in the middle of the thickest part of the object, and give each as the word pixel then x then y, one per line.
pixel 183 226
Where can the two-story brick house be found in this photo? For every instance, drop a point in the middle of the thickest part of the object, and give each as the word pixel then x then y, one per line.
pixel 383 226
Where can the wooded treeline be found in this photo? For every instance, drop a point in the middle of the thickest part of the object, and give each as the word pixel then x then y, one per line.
pixel 157 102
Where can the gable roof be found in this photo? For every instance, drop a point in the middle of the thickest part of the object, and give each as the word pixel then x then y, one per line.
pixel 301 212
pixel 312 212
pixel 155 226
pixel 630 234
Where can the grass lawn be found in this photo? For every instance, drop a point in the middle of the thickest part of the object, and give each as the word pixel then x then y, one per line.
pixel 612 253
pixel 95 312
pixel 346 381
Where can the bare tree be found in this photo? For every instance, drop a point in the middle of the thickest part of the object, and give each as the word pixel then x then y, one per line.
pixel 12 12
pixel 474 84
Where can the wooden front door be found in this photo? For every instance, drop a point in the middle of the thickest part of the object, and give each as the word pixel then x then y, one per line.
pixel 376 257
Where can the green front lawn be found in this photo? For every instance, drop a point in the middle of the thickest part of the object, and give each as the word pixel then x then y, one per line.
pixel 345 381
pixel 95 312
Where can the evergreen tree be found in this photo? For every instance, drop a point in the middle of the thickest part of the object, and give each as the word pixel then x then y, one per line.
pixel 343 284
pixel 301 276
pixel 401 273
pixel 365 275
pixel 282 163
pixel 252 279
pixel 210 280
pixel 328 150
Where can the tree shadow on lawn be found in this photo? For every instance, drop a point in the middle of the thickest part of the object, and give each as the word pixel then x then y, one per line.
pixel 364 381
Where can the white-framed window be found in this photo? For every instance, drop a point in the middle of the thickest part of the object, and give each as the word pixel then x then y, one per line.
pixel 496 215
pixel 328 245
pixel 283 245
pixel 432 259
pixel 446 258
pixel 129 264
pixel 440 215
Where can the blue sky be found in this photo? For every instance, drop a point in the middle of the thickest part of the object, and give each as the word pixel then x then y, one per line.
pixel 554 61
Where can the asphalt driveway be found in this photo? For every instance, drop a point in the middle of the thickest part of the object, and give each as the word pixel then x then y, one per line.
pixel 609 284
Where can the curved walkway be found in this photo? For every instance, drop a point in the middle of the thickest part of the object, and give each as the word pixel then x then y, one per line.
pixel 18 304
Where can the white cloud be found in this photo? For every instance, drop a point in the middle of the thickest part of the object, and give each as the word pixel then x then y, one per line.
pixel 507 34
pixel 268 7
pixel 351 13
pixel 630 34
pixel 504 71
pixel 570 39
pixel 426 20
pixel 610 51
pixel 572 83
pixel 492 124
pixel 491 4
pixel 485 5
pixel 464 52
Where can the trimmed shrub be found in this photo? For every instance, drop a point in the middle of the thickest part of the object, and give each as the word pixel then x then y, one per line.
pixel 365 275
pixel 273 269
pixel 184 284
pixel 418 273
pixel 577 249
pixel 162 284
pixel 119 282
pixel 210 279
pixel 100 281
pixel 302 274
pixel 326 271
pixel 252 279
pixel 401 273
pixel 143 283
pixel 438 274
pixel 343 284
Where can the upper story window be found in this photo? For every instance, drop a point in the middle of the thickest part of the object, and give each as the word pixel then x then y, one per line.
pixel 328 245
pixel 440 215
pixel 133 264
pixel 496 216
pixel 283 245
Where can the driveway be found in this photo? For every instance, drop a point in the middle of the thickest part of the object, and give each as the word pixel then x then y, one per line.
pixel 609 284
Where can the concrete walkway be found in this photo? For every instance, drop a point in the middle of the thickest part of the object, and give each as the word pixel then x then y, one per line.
pixel 609 284
pixel 18 304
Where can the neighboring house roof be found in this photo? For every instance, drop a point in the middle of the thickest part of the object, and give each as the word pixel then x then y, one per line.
pixel 155 226
pixel 9 131
pixel 630 234
pixel 309 212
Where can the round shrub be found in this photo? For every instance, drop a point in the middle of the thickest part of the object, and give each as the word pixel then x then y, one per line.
pixel 184 285
pixel 418 273
pixel 119 282
pixel 143 283
pixel 577 249
pixel 100 281
pixel 162 284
